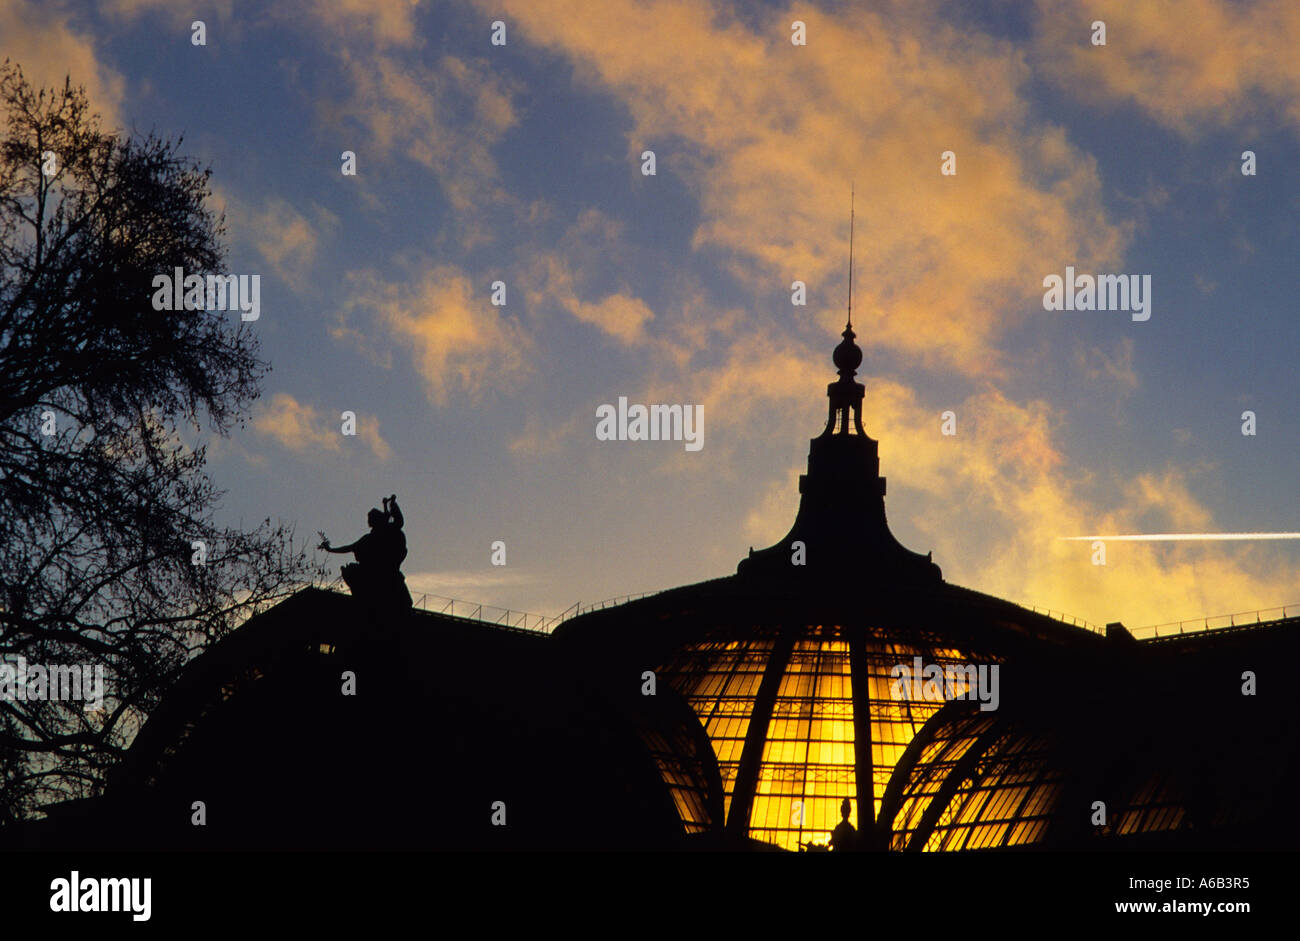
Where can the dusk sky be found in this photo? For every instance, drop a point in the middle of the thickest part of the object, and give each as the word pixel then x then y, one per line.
pixel 522 163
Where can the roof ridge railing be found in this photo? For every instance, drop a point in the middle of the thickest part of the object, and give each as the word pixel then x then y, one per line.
pixel 487 613
pixel 607 603
pixel 1197 625
pixel 545 624
pixel 518 619
pixel 474 610
pixel 495 614
pixel 1212 622
pixel 1064 618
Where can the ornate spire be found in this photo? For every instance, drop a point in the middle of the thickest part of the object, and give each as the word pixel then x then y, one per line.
pixel 846 394
pixel 840 529
pixel 848 327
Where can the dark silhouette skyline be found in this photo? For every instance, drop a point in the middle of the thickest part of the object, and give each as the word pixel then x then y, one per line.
pixel 732 713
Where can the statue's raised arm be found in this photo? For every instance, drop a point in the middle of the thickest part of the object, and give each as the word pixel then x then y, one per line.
pixel 394 514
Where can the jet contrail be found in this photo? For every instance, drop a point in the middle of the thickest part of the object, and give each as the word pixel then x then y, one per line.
pixel 1181 537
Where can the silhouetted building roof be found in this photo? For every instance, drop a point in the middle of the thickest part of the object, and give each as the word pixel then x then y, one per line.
pixel 777 694
pixel 791 667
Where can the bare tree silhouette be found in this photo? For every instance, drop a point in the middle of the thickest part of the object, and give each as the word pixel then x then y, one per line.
pixel 109 553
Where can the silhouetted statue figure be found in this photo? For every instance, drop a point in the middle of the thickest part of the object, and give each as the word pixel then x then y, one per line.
pixel 375 577
pixel 844 836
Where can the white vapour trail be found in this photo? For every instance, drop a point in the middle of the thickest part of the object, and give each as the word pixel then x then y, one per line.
pixel 1182 537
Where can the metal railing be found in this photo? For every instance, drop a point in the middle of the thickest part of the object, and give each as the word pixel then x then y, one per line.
pixel 1217 622
pixel 545 624
pixel 1191 625
pixel 524 620
pixel 1064 618
pixel 494 614
pixel 489 613
pixel 580 608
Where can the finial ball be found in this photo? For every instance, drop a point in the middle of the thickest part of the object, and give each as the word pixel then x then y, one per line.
pixel 847 357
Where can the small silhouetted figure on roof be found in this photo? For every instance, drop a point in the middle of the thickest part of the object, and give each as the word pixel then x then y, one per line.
pixel 844 836
pixel 375 577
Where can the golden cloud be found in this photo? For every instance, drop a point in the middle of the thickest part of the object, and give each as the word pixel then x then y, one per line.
pixel 460 342
pixel 305 428
pixel 447 117
pixel 1190 64
pixel 768 136
pixel 383 22
pixel 288 240
pixel 47 46
pixel 619 315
